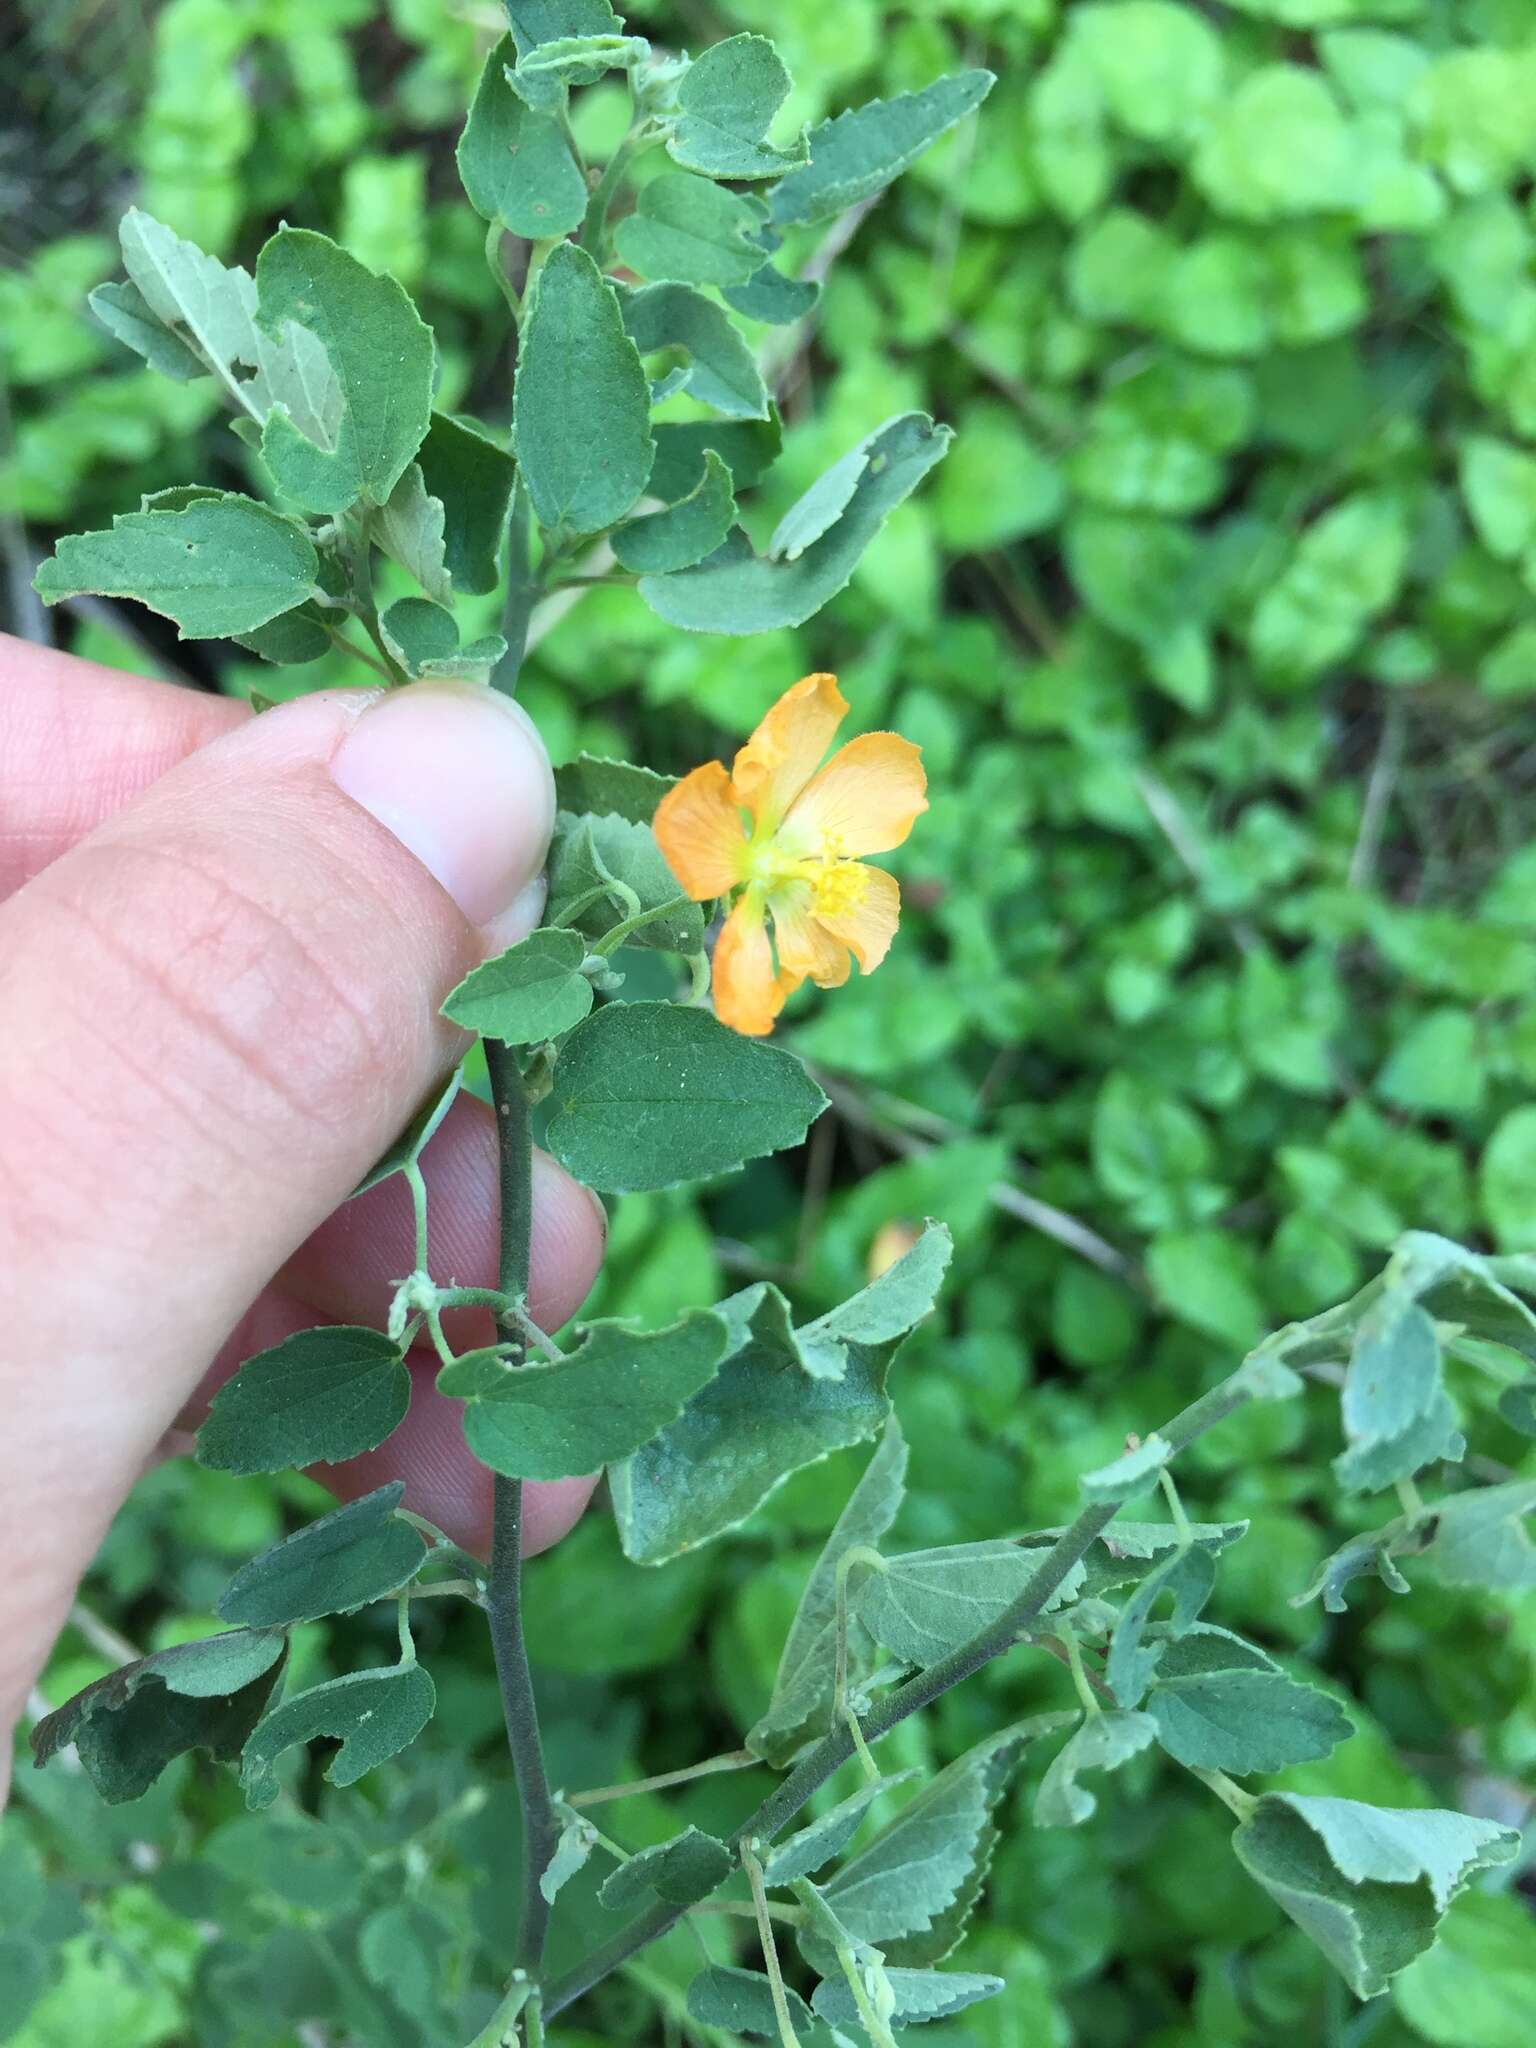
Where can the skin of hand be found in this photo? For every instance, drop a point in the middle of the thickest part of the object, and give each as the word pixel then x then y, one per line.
pixel 224 941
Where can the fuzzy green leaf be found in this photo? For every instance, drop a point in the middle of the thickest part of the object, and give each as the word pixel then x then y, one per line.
pixel 680 534
pixel 726 101
pixel 320 1395
pixel 610 1396
pixel 799 1854
pixel 1368 1884
pixel 614 788
pixel 1188 1577
pixel 1481 1539
pixel 737 591
pixel 748 448
pixel 1129 1474
pixel 374 1715
pixel 533 991
pixel 741 2001
pixel 689 230
pixel 681 1871
pixel 129 1725
pixel 424 639
pixel 591 853
pixel 888 1308
pixel 1367 1467
pixel 414 1139
pixel 356 1554
pixel 647 1095
pixel 861 151
pixel 770 296
pixel 220 565
pixel 928 1602
pixel 124 311
pixel 758 1420
pixel 411 529
pixel 1102 1742
pixel 1394 1371
pixel 381 352
pixel 919 1995
pixel 802 1686
pixel 516 166
pixel 1221 1704
pixel 472 477
pixel 722 371
pixel 581 405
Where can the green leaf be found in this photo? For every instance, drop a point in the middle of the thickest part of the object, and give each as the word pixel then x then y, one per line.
pixel 533 991
pixel 758 1420
pixel 902 1882
pixel 1276 146
pixel 742 2002
pixel 411 529
pixel 373 1714
pixel 356 1554
pixel 610 1396
pixel 770 296
pixel 289 640
pixel 544 75
pixel 211 312
pixel 722 370
pixel 919 1995
pixel 1362 1557
pixel 748 448
pixel 929 1602
pixel 124 311
pixel 1369 1466
pixel 129 1725
pixel 1394 1371
pixel 693 231
pixel 1188 1577
pixel 1480 1538
pixel 1368 1884
pixel 220 565
pixel 381 352
pixel 648 1095
pixel 1101 1743
pixel 1507 1177
pixel 591 853
pixel 516 166
pixel 737 591
pixel 581 404
pixel 888 1308
pixel 1220 1704
pixel 26 1970
pixel 802 1686
pixel 473 477
pixel 424 639
pixel 414 1139
pixel 319 1396
pixel 1475 1987
pixel 1129 1474
pixel 681 1872
pixel 799 1854
pixel 726 101
pixel 1517 1405
pixel 681 534
pixel 616 788
pixel 861 151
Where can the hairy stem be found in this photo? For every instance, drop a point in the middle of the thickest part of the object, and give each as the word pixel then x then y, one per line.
pixel 504 1600
pixel 835 1748
pixel 788 2038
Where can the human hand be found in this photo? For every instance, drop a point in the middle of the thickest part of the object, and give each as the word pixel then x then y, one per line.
pixel 223 943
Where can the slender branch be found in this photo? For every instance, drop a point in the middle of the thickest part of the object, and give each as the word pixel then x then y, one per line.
pixel 788 2038
pixel 835 1748
pixel 503 1601
pixel 733 1760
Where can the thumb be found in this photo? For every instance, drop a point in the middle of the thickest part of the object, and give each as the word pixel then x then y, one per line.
pixel 215 1013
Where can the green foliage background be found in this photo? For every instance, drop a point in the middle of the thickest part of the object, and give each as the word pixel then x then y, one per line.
pixel 1218 629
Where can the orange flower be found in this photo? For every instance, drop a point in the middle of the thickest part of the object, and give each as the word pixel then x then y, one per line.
pixel 792 854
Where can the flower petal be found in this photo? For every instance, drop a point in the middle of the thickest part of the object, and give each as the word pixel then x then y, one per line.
pixel 866 799
pixel 783 754
pixel 869 925
pixel 698 828
pixel 748 993
pixel 805 945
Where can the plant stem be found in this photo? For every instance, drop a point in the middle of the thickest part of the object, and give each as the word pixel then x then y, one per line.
pixel 523 587
pixel 835 1748
pixel 733 1760
pixel 593 236
pixel 498 269
pixel 787 2036
pixel 878 2032
pixel 503 1600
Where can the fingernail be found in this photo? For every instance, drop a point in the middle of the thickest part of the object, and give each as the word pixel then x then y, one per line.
pixel 459 774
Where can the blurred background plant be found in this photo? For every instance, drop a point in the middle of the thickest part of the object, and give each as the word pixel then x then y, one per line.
pixel 1218 629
